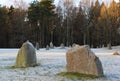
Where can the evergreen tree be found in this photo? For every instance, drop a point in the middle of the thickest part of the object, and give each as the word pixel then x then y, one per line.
pixel 4 27
pixel 41 15
pixel 95 35
pixel 112 16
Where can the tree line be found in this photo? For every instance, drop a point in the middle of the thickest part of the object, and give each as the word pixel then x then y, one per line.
pixel 93 24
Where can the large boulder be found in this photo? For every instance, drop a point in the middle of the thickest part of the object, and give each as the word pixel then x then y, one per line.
pixel 82 60
pixel 26 56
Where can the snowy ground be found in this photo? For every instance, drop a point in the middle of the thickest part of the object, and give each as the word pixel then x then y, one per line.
pixel 52 62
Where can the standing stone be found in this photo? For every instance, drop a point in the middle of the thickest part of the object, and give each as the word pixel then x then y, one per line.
pixel 37 45
pixel 51 45
pixel 47 47
pixel 103 46
pixel 116 53
pixel 73 45
pixel 109 46
pixel 82 60
pixel 62 46
pixel 26 56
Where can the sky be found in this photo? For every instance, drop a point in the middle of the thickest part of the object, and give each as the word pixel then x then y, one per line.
pixel 10 2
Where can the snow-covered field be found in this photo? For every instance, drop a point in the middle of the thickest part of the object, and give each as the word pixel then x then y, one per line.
pixel 52 62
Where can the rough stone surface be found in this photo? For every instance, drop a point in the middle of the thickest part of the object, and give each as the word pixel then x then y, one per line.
pixel 26 55
pixel 82 60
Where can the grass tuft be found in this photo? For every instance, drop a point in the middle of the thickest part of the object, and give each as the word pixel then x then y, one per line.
pixel 73 75
pixel 14 67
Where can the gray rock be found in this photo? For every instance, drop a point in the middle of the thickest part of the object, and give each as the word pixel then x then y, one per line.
pixel 37 45
pixel 73 45
pixel 26 56
pixel 70 46
pixel 82 60
pixel 51 45
pixel 47 47
pixel 62 46
pixel 109 46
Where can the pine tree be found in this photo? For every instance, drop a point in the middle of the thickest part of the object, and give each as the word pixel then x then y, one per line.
pixel 95 14
pixel 41 15
pixel 4 27
pixel 112 16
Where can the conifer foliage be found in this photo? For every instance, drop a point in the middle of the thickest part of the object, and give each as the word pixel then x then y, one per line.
pixel 92 23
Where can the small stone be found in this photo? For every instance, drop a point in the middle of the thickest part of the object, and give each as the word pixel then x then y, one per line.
pixel 116 53
pixel 62 46
pixel 109 46
pixel 37 45
pixel 73 45
pixel 51 45
pixel 47 47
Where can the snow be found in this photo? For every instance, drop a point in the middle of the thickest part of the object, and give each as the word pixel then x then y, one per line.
pixel 105 51
pixel 52 62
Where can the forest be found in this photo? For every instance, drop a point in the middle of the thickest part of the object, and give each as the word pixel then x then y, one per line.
pixel 90 23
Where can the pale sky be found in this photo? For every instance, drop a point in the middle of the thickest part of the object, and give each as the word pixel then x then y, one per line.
pixel 10 2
